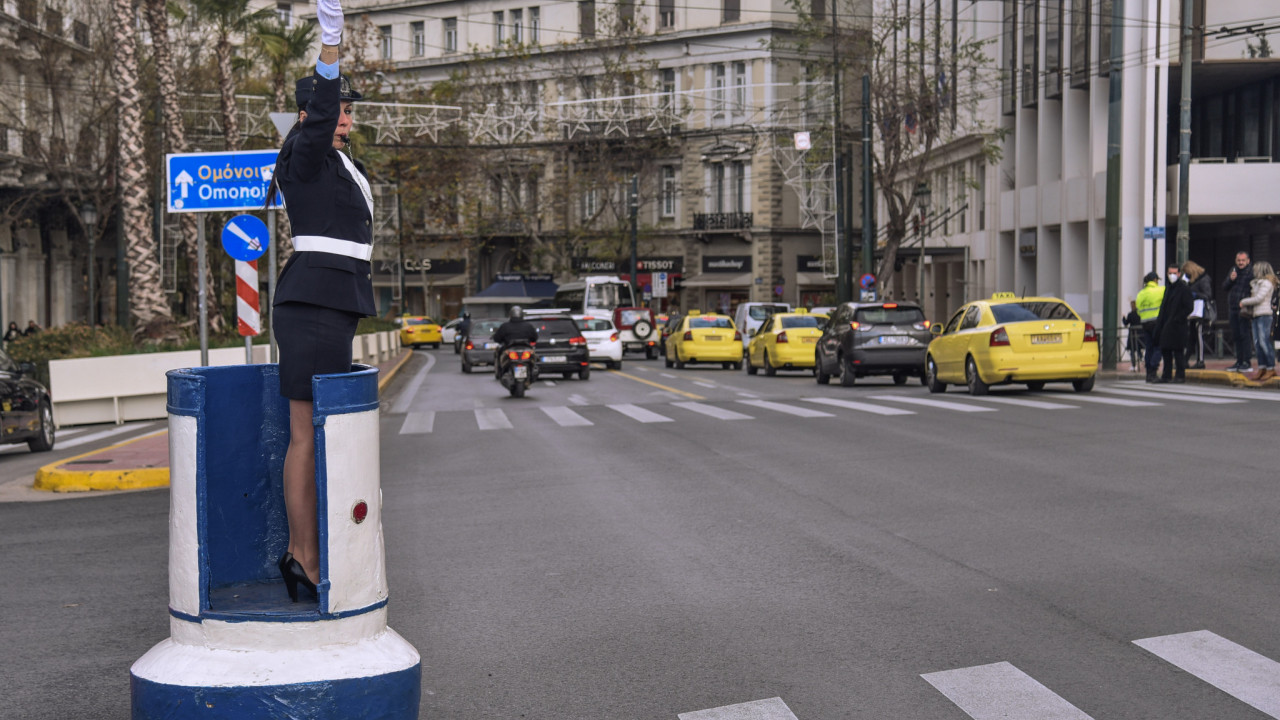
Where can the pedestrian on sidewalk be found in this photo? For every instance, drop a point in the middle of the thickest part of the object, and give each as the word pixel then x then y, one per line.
pixel 1172 328
pixel 13 333
pixel 1203 313
pixel 1263 286
pixel 1148 306
pixel 1237 288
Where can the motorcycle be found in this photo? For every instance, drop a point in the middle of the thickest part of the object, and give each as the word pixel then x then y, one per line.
pixel 516 368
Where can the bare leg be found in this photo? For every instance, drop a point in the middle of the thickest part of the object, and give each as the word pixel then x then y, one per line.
pixel 300 489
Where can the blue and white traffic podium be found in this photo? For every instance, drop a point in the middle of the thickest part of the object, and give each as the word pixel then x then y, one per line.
pixel 238 647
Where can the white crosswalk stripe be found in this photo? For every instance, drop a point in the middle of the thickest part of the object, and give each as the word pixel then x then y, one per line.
pixel 1148 395
pixel 100 435
pixel 565 417
pixel 1206 391
pixel 943 404
pixel 1118 402
pixel 639 414
pixel 859 406
pixel 771 709
pixel 788 409
pixel 713 411
pixel 1023 402
pixel 492 419
pixel 1233 669
pixel 1000 691
pixel 417 423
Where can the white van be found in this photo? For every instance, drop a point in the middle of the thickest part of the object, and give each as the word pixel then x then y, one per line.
pixel 594 295
pixel 751 315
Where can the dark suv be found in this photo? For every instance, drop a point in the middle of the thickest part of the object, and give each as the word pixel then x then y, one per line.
pixel 873 339
pixel 561 347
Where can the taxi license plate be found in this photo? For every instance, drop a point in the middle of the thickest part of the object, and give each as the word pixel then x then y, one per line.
pixel 712 337
pixel 520 371
pixel 810 340
pixel 553 358
pixel 1046 339
pixel 895 340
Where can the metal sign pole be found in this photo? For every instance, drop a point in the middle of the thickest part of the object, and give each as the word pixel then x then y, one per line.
pixel 204 307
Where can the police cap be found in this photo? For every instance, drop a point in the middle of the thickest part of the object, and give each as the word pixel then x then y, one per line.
pixel 306 87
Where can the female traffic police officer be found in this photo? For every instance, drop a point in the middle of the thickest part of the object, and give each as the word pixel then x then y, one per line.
pixel 326 285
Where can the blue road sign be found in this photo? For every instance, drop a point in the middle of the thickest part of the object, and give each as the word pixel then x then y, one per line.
pixel 1153 232
pixel 208 182
pixel 244 237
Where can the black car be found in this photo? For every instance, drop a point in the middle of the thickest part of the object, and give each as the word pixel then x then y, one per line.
pixel 27 407
pixel 673 322
pixel 561 347
pixel 864 339
pixel 477 347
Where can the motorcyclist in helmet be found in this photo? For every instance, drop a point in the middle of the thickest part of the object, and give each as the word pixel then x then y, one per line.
pixel 515 330
pixel 464 332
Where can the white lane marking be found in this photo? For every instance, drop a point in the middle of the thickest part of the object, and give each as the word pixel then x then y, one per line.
pixel 705 384
pixel 492 419
pixel 549 383
pixel 1170 396
pixel 1214 392
pixel 668 375
pixel 1233 669
pixel 406 396
pixel 636 412
pixel 863 407
pixel 1023 402
pixel 91 437
pixel 713 411
pixel 565 417
pixel 1002 691
pixel 418 423
pixel 1089 398
pixel 743 393
pixel 788 409
pixel 771 709
pixel 943 404
pixel 578 400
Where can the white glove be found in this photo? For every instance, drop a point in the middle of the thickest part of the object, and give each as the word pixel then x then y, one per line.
pixel 329 13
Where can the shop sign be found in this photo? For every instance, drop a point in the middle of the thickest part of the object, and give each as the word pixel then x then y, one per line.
pixel 436 266
pixel 809 263
pixel 726 263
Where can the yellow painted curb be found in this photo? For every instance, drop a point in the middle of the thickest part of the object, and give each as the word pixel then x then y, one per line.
pixel 54 478
pixel 382 382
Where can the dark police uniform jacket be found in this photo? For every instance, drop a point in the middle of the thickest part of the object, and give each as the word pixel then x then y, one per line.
pixel 324 201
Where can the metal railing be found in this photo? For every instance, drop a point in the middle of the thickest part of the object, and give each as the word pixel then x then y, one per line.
pixel 722 221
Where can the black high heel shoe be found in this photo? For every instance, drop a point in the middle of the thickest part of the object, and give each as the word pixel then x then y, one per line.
pixel 283 562
pixel 293 574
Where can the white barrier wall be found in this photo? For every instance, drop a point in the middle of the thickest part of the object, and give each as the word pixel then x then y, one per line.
pixel 121 388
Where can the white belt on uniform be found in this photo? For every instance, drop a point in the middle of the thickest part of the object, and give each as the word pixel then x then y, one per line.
pixel 321 243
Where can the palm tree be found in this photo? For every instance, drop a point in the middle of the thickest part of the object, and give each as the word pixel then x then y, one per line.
pixel 157 14
pixel 228 17
pixel 282 47
pixel 148 305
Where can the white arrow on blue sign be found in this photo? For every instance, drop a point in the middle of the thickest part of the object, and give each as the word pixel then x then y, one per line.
pixel 209 182
pixel 244 237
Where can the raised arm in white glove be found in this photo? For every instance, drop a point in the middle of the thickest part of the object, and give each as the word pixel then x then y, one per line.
pixel 329 13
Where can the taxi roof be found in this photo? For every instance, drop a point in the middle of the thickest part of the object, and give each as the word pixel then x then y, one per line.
pixel 1012 297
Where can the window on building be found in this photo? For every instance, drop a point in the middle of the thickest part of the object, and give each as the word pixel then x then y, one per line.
pixel 730 187
pixel 718 98
pixel 980 195
pixel 1030 52
pixel 284 13
pixel 731 10
pixel 1009 56
pixel 962 198
pixel 626 14
pixel 719 185
pixel 53 21
pixel 384 42
pixel 419 32
pixel 587 87
pixel 738 188
pixel 535 25
pixel 517 26
pixel 668 191
pixel 818 9
pixel 1080 27
pixel 740 87
pixel 666 13
pixel 28 12
pixel 667 82
pixel 590 204
pixel 499 27
pixel 451 34
pixel 587 19
pixel 1105 8
pixel 1053 48
pixel 80 33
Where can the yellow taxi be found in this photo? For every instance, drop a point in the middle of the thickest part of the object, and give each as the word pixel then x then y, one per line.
pixel 705 337
pixel 1011 339
pixel 418 330
pixel 786 341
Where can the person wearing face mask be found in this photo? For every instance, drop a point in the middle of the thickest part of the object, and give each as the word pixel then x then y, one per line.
pixel 1172 329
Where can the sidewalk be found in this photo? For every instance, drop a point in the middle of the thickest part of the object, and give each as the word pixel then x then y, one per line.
pixel 1214 373
pixel 140 462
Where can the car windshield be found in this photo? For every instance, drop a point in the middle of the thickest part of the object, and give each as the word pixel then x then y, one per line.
pixel 1032 310
pixel 485 327
pixel 709 322
pixel 889 316
pixel 762 312
pixel 630 317
pixel 595 325
pixel 608 295
pixel 800 321
pixel 419 321
pixel 555 328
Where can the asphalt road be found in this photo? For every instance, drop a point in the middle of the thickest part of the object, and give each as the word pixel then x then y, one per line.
pixel 660 542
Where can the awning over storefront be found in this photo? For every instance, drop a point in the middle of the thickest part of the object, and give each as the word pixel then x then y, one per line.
pixel 717 280
pixel 813 279
pixel 514 292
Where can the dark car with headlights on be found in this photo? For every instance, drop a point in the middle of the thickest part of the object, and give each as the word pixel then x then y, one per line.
pixel 478 347
pixel 561 346
pixel 864 339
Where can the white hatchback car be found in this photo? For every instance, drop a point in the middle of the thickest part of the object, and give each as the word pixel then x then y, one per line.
pixel 603 343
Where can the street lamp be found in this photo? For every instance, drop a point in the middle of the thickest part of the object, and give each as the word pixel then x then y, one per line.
pixel 89 219
pixel 924 196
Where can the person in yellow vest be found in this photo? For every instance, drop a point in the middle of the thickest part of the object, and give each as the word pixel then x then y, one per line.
pixel 1148 306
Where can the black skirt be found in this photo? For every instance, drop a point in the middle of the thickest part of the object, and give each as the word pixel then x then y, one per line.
pixel 313 340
